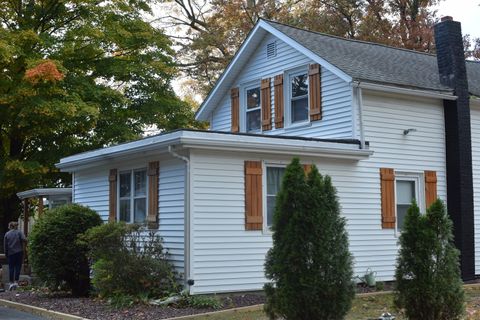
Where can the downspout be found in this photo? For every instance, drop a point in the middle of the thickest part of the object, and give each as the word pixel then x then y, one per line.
pixel 186 255
pixel 360 113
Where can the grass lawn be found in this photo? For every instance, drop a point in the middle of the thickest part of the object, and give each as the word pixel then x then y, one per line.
pixel 366 307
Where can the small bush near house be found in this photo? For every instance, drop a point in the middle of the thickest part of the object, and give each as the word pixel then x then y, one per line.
pixel 428 283
pixel 128 263
pixel 56 257
pixel 310 265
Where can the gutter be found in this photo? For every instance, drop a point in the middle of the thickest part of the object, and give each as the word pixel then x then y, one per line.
pixel 406 91
pixel 187 236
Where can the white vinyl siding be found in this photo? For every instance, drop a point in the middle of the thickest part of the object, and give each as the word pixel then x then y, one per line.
pixel 91 189
pixel 225 257
pixel 475 125
pixel 337 121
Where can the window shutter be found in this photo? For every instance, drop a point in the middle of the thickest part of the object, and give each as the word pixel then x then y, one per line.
pixel 253 195
pixel 278 94
pixel 315 92
pixel 235 110
pixel 112 196
pixel 387 177
pixel 430 187
pixel 152 216
pixel 266 105
pixel 307 168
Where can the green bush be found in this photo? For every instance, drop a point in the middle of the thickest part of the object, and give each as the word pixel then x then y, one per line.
pixel 310 265
pixel 428 283
pixel 129 263
pixel 56 257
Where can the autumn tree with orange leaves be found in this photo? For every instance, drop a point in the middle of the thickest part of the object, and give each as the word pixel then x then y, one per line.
pixel 77 75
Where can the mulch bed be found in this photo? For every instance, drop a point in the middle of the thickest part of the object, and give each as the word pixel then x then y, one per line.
pixel 98 309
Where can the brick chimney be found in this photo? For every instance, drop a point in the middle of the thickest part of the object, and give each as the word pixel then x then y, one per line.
pixel 453 73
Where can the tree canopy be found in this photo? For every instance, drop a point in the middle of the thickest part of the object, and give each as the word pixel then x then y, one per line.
pixel 77 75
pixel 214 29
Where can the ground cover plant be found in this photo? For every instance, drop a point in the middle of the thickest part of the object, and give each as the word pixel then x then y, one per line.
pixel 428 283
pixel 56 257
pixel 129 265
pixel 309 265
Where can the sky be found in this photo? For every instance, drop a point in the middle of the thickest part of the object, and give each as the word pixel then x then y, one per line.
pixel 467 12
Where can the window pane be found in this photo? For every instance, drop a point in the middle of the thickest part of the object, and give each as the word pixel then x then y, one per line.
pixel 140 210
pixel 125 185
pixel 253 98
pixel 299 85
pixel 270 209
pixel 274 182
pixel 253 120
pixel 405 191
pixel 401 213
pixel 300 110
pixel 140 183
pixel 125 210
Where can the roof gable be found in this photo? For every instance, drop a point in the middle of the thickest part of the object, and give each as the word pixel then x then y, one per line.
pixel 249 46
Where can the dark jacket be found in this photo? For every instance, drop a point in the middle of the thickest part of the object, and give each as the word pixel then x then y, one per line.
pixel 13 242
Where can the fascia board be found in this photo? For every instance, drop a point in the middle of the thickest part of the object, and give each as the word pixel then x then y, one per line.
pixel 275 146
pixel 406 91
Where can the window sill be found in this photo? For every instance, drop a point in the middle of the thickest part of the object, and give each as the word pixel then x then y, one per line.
pixel 297 126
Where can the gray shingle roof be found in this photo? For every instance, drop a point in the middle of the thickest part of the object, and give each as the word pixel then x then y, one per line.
pixel 367 61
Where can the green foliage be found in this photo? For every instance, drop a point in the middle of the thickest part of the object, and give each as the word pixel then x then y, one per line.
pixel 77 75
pixel 428 283
pixel 56 257
pixel 310 265
pixel 198 302
pixel 129 262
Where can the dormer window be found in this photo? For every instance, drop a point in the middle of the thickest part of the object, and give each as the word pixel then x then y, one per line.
pixel 253 109
pixel 298 97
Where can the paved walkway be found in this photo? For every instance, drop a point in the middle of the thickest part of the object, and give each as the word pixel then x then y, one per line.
pixel 11 314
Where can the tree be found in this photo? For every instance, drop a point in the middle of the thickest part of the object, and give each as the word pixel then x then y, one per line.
pixel 428 283
pixel 310 265
pixel 77 75
pixel 212 31
pixel 56 256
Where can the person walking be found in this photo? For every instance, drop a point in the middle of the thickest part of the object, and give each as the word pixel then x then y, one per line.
pixel 13 248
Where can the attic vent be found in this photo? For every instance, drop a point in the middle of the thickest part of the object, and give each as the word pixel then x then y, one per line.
pixel 271 49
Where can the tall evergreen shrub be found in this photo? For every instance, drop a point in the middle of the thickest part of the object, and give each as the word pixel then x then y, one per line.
pixel 428 283
pixel 56 257
pixel 309 265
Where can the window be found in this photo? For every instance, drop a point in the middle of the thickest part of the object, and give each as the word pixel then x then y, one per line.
pixel 274 182
pixel 407 188
pixel 298 83
pixel 133 196
pixel 253 109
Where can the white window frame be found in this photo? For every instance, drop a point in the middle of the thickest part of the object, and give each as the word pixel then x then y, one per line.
pixel 288 96
pixel 243 103
pixel 132 193
pixel 419 180
pixel 265 166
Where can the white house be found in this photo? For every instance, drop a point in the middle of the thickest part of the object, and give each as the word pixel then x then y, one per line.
pixel 383 122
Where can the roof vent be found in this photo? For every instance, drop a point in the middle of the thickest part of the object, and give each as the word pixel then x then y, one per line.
pixel 271 49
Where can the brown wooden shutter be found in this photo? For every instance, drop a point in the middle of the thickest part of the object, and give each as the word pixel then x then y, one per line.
pixel 112 197
pixel 387 178
pixel 152 216
pixel 430 187
pixel 307 168
pixel 315 92
pixel 253 195
pixel 266 105
pixel 278 92
pixel 235 110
